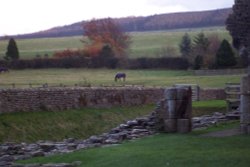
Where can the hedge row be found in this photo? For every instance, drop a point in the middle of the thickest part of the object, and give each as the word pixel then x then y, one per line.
pixel 81 62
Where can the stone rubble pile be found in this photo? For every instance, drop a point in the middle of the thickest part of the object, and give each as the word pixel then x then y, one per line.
pixel 133 129
pixel 209 120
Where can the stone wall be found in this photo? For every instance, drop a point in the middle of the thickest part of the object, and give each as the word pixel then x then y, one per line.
pixel 212 94
pixel 220 72
pixel 54 99
pixel 13 100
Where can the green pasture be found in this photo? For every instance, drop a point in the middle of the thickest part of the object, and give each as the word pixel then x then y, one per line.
pixel 105 77
pixel 144 44
pixel 189 150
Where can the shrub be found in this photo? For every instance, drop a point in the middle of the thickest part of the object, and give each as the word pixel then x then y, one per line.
pixel 98 62
pixel 165 63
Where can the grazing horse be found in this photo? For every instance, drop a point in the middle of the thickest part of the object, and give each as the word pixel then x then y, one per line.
pixel 118 76
pixel 3 69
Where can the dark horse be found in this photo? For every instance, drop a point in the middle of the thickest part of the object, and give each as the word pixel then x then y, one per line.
pixel 3 69
pixel 118 76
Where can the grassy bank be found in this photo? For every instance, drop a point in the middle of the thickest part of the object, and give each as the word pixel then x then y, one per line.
pixel 97 77
pixel 144 44
pixel 164 150
pixel 209 107
pixel 30 127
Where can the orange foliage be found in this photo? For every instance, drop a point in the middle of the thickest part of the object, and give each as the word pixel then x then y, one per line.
pixel 67 53
pixel 93 50
pixel 105 32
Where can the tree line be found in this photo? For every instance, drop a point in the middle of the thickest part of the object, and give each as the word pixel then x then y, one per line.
pixel 209 52
pixel 107 45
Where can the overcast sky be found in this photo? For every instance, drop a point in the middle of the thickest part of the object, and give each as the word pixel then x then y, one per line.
pixel 24 16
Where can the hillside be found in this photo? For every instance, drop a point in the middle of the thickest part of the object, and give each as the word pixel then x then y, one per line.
pixel 148 23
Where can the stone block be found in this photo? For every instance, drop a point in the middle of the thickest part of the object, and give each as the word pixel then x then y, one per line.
pixel 183 93
pixel 184 109
pixel 245 128
pixel 183 125
pixel 170 125
pixel 245 104
pixel 170 94
pixel 245 118
pixel 171 109
pixel 245 85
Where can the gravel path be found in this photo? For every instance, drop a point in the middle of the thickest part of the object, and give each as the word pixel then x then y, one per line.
pixel 224 133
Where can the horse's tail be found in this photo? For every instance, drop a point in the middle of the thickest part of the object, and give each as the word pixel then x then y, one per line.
pixel 115 79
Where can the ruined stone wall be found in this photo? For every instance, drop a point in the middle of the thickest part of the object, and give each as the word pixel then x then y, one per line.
pixel 212 94
pixel 54 99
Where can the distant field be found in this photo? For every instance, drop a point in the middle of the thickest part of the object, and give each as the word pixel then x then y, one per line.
pixel 98 77
pixel 144 44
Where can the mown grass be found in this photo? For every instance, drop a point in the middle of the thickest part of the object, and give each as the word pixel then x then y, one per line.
pixel 98 77
pixel 144 44
pixel 163 150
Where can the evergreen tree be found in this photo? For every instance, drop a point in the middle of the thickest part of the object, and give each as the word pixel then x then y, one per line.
pixel 185 46
pixel 198 62
pixel 12 50
pixel 201 47
pixel 225 55
pixel 238 23
pixel 201 44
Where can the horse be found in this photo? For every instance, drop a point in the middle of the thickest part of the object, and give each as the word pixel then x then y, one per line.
pixel 118 76
pixel 3 69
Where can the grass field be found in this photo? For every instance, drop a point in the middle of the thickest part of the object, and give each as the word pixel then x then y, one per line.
pixel 144 44
pixel 98 77
pixel 165 150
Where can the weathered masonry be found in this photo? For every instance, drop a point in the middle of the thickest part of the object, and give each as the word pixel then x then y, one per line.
pixel 57 99
pixel 174 111
pixel 54 99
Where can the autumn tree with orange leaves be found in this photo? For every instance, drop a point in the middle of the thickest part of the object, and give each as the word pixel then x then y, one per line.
pixel 105 32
